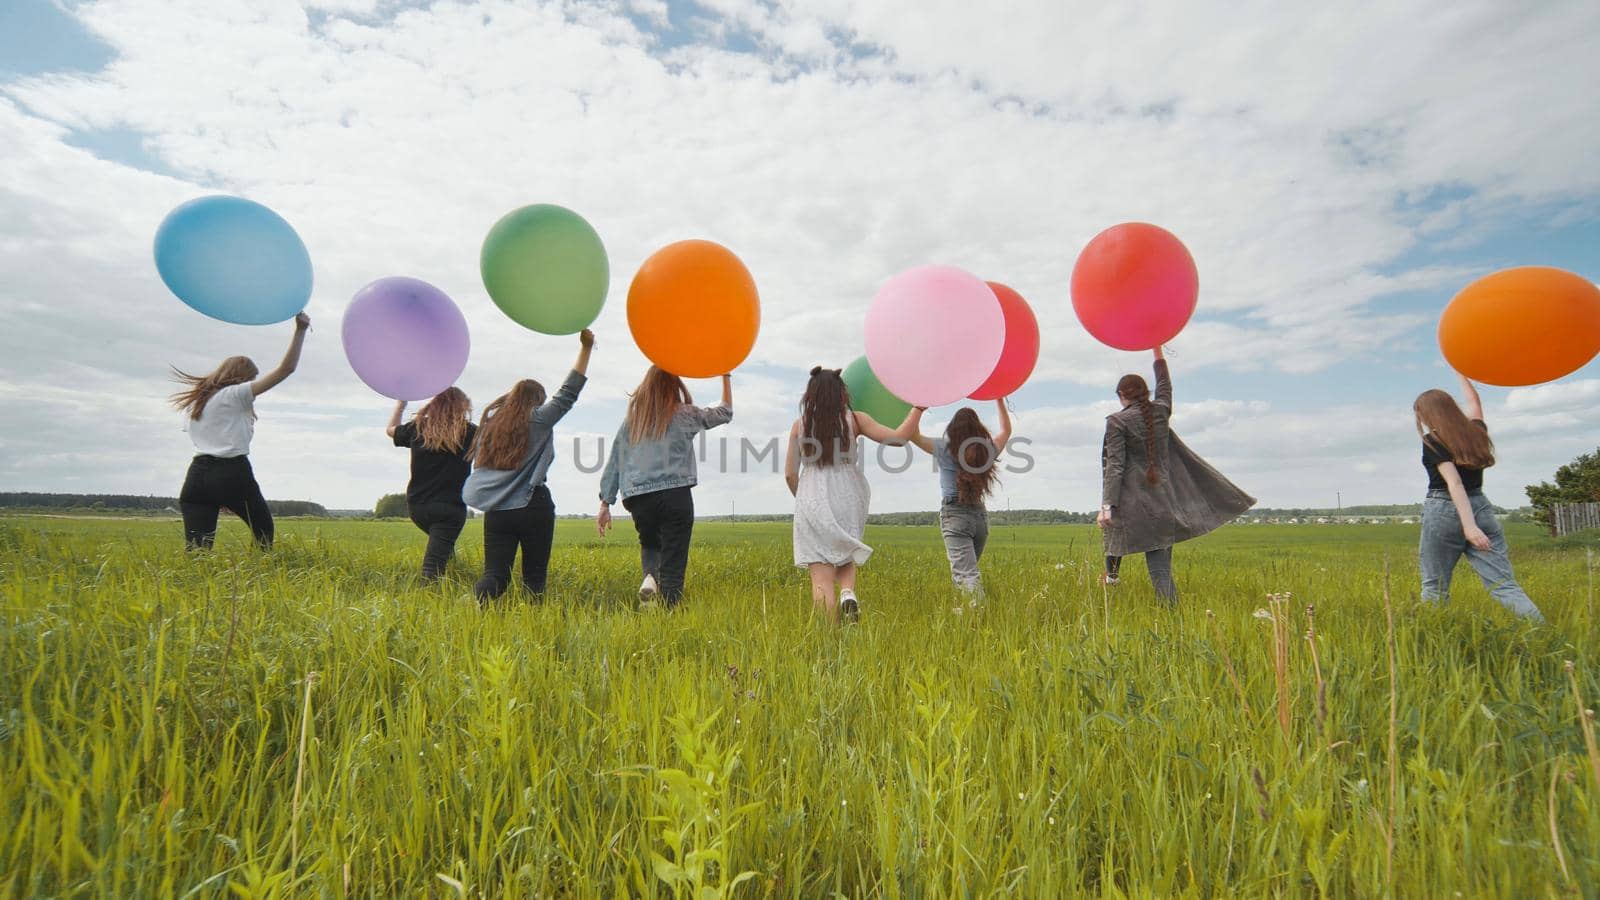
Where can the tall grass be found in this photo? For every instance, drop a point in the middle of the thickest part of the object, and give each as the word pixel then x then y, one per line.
pixel 311 722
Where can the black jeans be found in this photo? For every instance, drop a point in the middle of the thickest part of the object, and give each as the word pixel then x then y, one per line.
pixel 215 483
pixel 443 523
pixel 665 522
pixel 531 527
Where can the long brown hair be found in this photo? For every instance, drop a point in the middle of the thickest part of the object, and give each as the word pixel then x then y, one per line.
pixel 201 388
pixel 825 415
pixel 653 404
pixel 442 421
pixel 972 447
pixel 1133 389
pixel 1439 418
pixel 503 432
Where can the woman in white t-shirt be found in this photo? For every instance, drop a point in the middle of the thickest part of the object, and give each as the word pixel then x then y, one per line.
pixel 220 416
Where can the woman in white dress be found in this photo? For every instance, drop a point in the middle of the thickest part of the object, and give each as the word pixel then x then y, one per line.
pixel 823 469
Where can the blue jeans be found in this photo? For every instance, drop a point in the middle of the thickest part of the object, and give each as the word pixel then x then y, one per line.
pixel 965 528
pixel 1444 542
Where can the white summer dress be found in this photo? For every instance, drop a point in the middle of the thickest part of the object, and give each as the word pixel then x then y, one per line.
pixel 830 511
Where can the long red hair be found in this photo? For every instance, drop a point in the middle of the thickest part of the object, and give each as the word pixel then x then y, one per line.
pixel 503 432
pixel 1439 417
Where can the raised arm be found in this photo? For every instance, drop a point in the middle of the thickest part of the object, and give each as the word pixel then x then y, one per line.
pixel 1003 433
pixel 553 409
pixel 1463 504
pixel 722 413
pixel 291 359
pixel 1163 382
pixel 791 459
pixel 585 346
pixel 394 417
pixel 1474 405
pixel 916 437
pixel 870 428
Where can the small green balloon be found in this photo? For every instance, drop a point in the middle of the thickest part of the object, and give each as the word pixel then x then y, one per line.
pixel 869 395
pixel 545 267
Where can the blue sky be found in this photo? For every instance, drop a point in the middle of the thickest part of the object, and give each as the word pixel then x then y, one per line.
pixel 1337 176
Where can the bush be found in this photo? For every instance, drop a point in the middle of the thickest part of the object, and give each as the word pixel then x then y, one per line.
pixel 391 506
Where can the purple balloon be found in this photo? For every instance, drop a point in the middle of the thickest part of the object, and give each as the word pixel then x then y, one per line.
pixel 405 338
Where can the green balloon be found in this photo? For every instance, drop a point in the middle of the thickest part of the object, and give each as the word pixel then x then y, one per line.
pixel 868 395
pixel 545 267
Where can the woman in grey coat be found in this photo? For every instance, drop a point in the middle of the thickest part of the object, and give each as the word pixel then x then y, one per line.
pixel 1155 491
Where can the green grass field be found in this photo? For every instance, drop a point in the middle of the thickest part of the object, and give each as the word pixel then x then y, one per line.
pixel 311 723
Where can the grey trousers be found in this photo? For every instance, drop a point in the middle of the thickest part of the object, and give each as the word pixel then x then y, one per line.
pixel 1159 562
pixel 966 530
pixel 1443 544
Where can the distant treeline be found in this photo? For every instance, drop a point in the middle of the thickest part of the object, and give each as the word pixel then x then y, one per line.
pixel 1396 509
pixel 134 503
pixel 996 517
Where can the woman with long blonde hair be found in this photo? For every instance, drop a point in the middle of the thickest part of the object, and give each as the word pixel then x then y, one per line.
pixel 1457 519
pixel 439 437
pixel 220 415
pixel 511 456
pixel 652 465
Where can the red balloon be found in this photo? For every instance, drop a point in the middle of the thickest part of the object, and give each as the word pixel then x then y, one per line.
pixel 1134 287
pixel 1021 350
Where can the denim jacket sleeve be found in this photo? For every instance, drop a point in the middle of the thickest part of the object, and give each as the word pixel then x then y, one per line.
pixel 712 416
pixel 611 478
pixel 559 405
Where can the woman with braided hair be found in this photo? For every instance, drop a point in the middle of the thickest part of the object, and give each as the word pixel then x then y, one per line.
pixel 1155 491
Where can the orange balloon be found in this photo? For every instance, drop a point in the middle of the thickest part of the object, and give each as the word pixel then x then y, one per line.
pixel 693 309
pixel 1522 326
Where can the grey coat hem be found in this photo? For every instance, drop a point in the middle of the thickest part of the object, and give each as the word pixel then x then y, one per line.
pixel 1191 500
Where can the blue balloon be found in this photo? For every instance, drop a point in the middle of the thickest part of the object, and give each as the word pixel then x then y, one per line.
pixel 234 260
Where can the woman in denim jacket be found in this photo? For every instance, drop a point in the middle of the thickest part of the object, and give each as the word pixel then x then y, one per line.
pixel 511 457
pixel 652 465
pixel 1457 518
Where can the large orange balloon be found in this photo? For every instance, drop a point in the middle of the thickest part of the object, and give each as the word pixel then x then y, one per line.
pixel 1522 326
pixel 693 309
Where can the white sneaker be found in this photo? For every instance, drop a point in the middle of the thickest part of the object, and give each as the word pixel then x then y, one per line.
pixel 849 606
pixel 648 591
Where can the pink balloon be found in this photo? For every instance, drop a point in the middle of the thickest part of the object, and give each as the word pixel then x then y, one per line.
pixel 1021 350
pixel 1134 287
pixel 934 334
